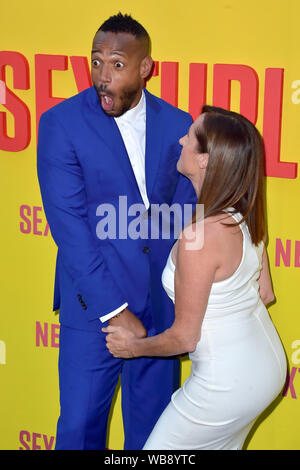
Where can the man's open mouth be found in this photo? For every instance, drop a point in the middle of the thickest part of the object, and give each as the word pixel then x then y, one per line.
pixel 107 102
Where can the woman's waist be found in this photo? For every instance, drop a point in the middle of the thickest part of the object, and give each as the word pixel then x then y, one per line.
pixel 226 333
pixel 217 315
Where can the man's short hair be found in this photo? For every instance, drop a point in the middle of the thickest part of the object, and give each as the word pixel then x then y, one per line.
pixel 125 24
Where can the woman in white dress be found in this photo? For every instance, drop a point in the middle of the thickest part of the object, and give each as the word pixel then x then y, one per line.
pixel 220 289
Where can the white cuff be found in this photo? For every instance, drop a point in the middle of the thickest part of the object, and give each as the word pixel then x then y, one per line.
pixel 112 314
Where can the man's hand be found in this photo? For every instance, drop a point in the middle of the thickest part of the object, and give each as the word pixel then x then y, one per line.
pixel 129 321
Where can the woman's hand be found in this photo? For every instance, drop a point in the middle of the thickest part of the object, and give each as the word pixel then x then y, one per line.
pixel 129 321
pixel 120 341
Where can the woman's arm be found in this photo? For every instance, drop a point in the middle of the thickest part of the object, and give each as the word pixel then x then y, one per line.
pixel 265 283
pixel 194 275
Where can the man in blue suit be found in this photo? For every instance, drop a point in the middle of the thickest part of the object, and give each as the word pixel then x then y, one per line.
pixel 111 144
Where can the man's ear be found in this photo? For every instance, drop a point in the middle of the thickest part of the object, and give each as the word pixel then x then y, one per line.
pixel 203 160
pixel 146 66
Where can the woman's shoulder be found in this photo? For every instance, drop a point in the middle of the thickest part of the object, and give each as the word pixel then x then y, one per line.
pixel 200 234
pixel 209 233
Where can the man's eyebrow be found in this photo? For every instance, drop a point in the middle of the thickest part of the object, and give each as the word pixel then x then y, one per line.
pixel 123 54
pixel 120 53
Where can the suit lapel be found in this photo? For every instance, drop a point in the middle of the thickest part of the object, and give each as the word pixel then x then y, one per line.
pixel 109 133
pixel 154 130
pixel 119 150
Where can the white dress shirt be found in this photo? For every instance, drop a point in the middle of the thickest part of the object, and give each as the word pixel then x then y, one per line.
pixel 132 126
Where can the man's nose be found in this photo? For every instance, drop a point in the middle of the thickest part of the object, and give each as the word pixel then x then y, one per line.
pixel 105 75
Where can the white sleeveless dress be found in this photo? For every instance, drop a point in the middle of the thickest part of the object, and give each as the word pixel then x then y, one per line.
pixel 238 367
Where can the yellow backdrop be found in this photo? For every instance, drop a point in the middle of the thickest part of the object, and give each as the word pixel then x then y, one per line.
pixel 229 52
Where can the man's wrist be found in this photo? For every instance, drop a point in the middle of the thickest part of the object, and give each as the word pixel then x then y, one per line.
pixel 113 313
pixel 118 314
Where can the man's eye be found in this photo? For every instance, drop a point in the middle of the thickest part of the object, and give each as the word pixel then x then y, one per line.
pixel 119 65
pixel 95 62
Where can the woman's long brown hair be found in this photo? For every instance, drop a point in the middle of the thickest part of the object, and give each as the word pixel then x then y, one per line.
pixel 235 172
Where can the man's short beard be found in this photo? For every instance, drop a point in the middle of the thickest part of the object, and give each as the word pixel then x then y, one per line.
pixel 126 99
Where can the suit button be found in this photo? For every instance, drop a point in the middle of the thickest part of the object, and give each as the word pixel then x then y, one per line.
pixel 146 249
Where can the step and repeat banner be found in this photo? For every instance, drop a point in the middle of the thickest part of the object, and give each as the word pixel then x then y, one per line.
pixel 238 54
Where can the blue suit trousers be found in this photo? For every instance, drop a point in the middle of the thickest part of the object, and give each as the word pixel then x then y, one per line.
pixel 88 383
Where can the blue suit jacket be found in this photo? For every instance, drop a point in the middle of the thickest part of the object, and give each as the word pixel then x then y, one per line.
pixel 82 163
